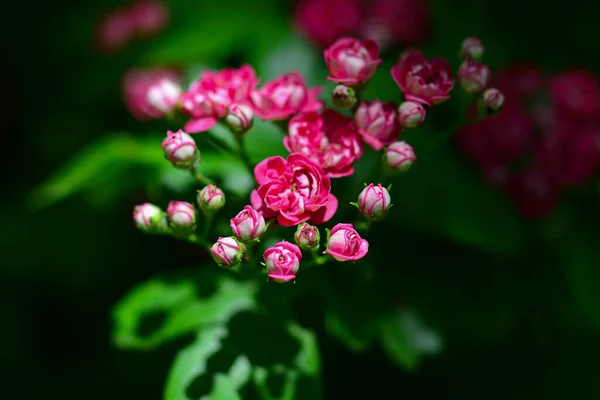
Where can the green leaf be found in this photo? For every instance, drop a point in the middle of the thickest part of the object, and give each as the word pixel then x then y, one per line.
pixel 185 312
pixel 406 339
pixel 265 139
pixel 226 387
pixel 308 360
pixel 191 362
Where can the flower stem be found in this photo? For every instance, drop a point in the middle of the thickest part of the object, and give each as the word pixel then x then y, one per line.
pixel 208 219
pixel 242 152
pixel 201 177
pixel 195 239
pixel 319 260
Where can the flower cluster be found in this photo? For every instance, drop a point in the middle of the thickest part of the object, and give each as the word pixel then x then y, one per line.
pixel 546 140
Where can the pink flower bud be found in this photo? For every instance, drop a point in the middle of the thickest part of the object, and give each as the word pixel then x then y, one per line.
pixel 374 201
pixel 493 99
pixel 181 150
pixel 472 48
pixel 411 114
pixel 211 199
pixel 376 122
pixel 351 61
pixel 149 218
pixel 345 244
pixel 399 156
pixel 343 96
pixel 239 118
pixel 282 261
pixel 181 215
pixel 307 237
pixel 149 17
pixel 227 252
pixel 473 76
pixel 249 224
pixel 164 95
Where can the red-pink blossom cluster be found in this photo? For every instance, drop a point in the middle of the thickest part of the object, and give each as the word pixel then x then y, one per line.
pixel 545 140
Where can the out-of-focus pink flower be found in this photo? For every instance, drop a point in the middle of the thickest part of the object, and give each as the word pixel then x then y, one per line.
pixel 248 224
pixel 294 190
pixel 424 81
pixel 493 99
pixel 283 97
pixel 518 82
pixel 182 215
pixel 227 252
pixel 472 48
pixel 351 61
pixel 377 123
pixel 114 31
pixel 239 117
pixel 399 156
pixel 325 21
pixel 329 139
pixel 345 244
pixel 405 22
pixel 411 114
pixel 473 76
pixel 576 93
pixel 208 98
pixel 180 149
pixel 282 261
pixel 210 199
pixel 149 17
pixel 147 93
pixel 374 201
pixel 533 194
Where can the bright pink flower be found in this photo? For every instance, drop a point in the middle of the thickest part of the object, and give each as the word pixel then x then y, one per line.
pixel 397 21
pixel 324 21
pixel 411 114
pixel 472 48
pixel 210 199
pixel 473 76
pixel 374 201
pixel 294 190
pixel 283 97
pixel 345 244
pixel 114 31
pixel 147 91
pixel 576 93
pixel 180 148
pixel 282 261
pixel 239 117
pixel 209 97
pixel 399 156
pixel 227 251
pixel 424 81
pixel 351 61
pixel 532 193
pixel 249 224
pixel 329 139
pixel 377 123
pixel 149 17
pixel 181 214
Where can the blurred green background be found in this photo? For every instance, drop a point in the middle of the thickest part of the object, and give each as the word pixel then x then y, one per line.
pixel 517 303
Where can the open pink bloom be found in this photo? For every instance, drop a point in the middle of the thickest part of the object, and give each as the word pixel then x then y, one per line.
pixel 330 139
pixel 149 17
pixel 473 76
pixel 374 201
pixel 294 190
pixel 249 224
pixel 576 93
pixel 209 97
pixel 283 97
pixel 424 81
pixel 397 21
pixel 351 61
pixel 345 244
pixel 377 123
pixel 146 95
pixel 282 261
pixel 324 21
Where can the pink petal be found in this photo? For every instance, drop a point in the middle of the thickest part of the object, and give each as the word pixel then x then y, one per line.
pixel 326 212
pixel 199 125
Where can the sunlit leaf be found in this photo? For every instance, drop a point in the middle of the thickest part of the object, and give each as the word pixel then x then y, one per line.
pixel 227 386
pixel 308 359
pixel 265 139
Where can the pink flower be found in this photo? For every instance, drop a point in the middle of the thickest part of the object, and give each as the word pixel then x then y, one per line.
pixel 180 149
pixel 181 215
pixel 307 237
pixel 518 82
pixel 473 76
pixel 472 48
pixel 239 117
pixel 282 261
pixel 576 93
pixel 150 93
pixel 424 81
pixel 532 193
pixel 404 22
pixel 149 17
pixel 329 139
pixel 345 244
pixel 227 251
pixel 377 123
pixel 249 224
pixel 411 114
pixel 209 97
pixel 351 61
pixel 294 190
pixel 285 96
pixel 210 199
pixel 149 217
pixel 374 201
pixel 399 156
pixel 324 21
pixel 493 99
pixel 114 31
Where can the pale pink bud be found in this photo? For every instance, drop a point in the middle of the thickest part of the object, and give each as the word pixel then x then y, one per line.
pixel 345 244
pixel 282 261
pixel 399 156
pixel 249 224
pixel 493 99
pixel 343 96
pixel 307 236
pixel 411 114
pixel 374 201
pixel 211 199
pixel 149 218
pixel 472 48
pixel 351 61
pixel 473 76
pixel 239 117
pixel 164 95
pixel 227 251
pixel 181 150
pixel 181 215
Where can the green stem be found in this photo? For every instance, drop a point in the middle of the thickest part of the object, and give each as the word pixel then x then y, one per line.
pixel 242 152
pixel 362 225
pixel 208 220
pixel 201 177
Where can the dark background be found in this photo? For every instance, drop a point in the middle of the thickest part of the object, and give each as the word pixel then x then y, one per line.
pixel 63 268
